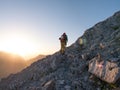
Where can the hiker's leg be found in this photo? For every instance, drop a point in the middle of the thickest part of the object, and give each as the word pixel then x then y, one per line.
pixel 64 45
pixel 62 48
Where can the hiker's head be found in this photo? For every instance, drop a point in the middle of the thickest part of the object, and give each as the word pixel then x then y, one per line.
pixel 64 33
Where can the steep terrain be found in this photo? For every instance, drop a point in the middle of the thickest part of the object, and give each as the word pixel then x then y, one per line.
pixel 70 71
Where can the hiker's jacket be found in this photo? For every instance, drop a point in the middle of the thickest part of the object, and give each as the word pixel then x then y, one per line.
pixel 63 39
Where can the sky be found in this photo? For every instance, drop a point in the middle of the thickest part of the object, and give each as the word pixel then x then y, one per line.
pixel 30 27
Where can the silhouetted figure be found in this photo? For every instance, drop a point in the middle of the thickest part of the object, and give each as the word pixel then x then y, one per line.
pixel 63 40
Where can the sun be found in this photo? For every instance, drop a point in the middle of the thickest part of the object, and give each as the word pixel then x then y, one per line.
pixel 18 44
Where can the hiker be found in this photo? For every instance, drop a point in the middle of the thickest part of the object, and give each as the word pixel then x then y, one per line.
pixel 63 40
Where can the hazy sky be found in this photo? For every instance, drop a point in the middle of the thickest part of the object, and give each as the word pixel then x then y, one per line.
pixel 39 23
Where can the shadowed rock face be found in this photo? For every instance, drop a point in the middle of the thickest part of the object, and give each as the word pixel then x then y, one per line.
pixel 70 71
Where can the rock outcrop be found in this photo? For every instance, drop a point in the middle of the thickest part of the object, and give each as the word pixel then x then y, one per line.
pixel 73 71
pixel 105 70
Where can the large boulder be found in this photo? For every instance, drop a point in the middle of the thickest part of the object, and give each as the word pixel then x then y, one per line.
pixel 108 71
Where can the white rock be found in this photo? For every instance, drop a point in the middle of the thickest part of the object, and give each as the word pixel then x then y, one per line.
pixel 105 70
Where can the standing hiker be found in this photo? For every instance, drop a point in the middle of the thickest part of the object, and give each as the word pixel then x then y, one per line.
pixel 63 40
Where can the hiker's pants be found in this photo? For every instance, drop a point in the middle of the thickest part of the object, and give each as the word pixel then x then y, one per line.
pixel 63 46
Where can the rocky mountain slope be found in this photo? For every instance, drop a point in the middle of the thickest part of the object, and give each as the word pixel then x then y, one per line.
pixel 70 71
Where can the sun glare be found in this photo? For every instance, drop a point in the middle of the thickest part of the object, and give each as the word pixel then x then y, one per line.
pixel 18 45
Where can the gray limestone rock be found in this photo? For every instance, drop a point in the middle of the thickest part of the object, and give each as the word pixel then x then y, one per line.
pixel 105 70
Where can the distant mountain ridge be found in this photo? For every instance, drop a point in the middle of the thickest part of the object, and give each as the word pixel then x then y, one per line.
pixel 70 71
pixel 30 61
pixel 10 63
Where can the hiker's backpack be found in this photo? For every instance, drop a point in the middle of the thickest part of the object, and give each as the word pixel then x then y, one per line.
pixel 65 37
